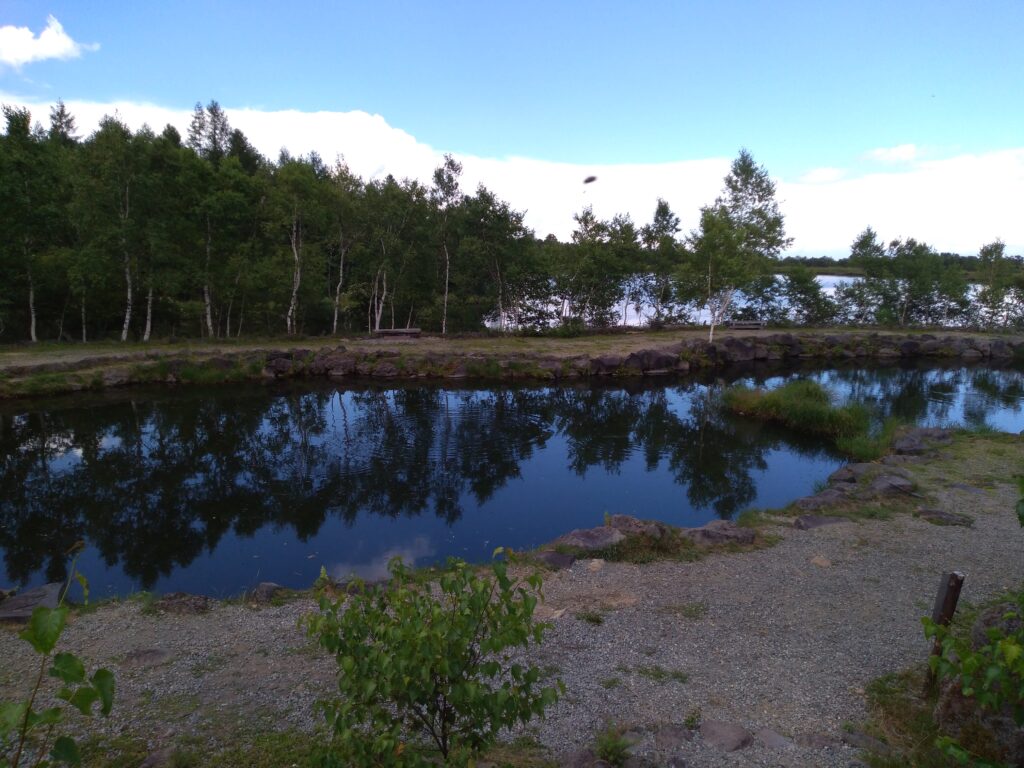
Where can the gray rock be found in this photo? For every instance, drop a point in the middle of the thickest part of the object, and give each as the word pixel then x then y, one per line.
pixel 859 740
pixel 727 737
pixel 556 561
pixel 1003 618
pixel 891 485
pixel 941 517
pixel 158 759
pixel 669 737
pixel 909 444
pixel 19 608
pixel 265 591
pixel 145 657
pixel 816 740
pixel 827 498
pixel 606 365
pixel 590 539
pixel 719 532
pixel 809 522
pixel 632 526
pixel 851 473
pixel 770 739
pixel 896 459
pixel 966 487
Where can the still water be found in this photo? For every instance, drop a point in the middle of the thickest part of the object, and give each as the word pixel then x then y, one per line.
pixel 214 490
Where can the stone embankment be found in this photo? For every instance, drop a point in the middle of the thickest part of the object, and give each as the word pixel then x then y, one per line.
pixel 440 359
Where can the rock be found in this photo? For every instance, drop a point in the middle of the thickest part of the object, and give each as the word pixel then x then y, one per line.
pixel 1003 618
pixel 941 517
pixel 896 459
pixel 827 498
pixel 605 365
pixel 595 565
pixel 815 740
pixel 115 377
pixel 590 539
pixel 859 740
pixel 556 561
pixel 145 657
pixel 183 604
pixel 719 532
pixel 809 522
pixel 636 761
pixel 966 487
pixel 891 485
pixel 821 561
pixel 632 526
pixel 158 759
pixel 385 370
pixel 650 360
pixel 971 354
pixel 909 444
pixel 584 758
pixel 265 591
pixel 770 739
pixel 958 715
pixel 669 737
pixel 727 737
pixel 851 473
pixel 19 607
pixel 278 366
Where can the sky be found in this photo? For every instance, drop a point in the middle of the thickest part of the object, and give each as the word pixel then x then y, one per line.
pixel 904 116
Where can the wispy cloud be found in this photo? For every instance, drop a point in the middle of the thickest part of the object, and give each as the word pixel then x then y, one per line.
pixel 904 153
pixel 20 46
pixel 956 203
pixel 822 175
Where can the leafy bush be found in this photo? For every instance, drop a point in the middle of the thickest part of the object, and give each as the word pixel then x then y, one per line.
pixel 611 745
pixel 26 734
pixel 431 661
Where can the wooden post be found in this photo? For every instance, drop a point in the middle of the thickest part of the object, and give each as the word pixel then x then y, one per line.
pixel 945 607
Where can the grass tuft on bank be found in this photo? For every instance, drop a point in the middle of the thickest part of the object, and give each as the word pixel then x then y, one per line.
pixel 807 407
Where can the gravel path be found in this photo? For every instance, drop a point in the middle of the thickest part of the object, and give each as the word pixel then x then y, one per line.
pixel 765 639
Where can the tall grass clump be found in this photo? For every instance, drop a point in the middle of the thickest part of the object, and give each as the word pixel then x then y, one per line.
pixel 806 406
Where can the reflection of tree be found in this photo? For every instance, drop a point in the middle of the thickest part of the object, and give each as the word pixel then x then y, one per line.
pixel 153 484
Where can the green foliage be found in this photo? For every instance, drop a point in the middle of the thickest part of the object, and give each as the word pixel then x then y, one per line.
pixel 611 745
pixel 430 661
pixel 1020 501
pixel 27 734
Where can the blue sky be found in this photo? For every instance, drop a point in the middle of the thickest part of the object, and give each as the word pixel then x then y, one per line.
pixel 851 106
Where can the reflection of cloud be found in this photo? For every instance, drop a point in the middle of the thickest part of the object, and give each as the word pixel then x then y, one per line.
pixel 377 568
pixel 18 45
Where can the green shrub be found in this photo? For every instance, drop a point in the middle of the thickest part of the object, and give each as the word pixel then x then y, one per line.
pixel 611 746
pixel 430 661
pixel 27 734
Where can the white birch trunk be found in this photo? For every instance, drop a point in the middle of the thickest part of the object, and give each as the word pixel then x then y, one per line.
pixel 341 279
pixel 32 308
pixel 128 304
pixel 296 243
pixel 149 314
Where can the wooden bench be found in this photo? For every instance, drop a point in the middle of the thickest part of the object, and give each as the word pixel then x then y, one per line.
pixel 397 332
pixel 747 325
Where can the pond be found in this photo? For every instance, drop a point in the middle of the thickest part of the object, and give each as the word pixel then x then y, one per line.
pixel 212 490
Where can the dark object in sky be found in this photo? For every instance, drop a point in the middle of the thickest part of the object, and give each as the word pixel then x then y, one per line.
pixel 589 179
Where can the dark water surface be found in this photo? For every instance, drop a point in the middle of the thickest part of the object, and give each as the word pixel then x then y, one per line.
pixel 213 490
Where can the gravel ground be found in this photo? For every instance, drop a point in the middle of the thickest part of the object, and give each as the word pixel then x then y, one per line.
pixel 765 639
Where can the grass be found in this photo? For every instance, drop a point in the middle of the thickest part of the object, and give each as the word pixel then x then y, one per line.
pixel 695 610
pixel 807 407
pixel 591 617
pixel 611 745
pixel 610 682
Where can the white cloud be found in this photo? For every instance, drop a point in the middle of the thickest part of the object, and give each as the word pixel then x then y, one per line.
pixel 19 46
pixel 954 204
pixel 822 175
pixel 904 153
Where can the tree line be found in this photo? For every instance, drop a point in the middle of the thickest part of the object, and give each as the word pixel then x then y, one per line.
pixel 132 235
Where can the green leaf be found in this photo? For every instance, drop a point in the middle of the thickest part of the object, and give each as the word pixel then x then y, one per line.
pixel 66 751
pixel 68 668
pixel 103 682
pixel 44 628
pixel 83 699
pixel 11 715
pixel 84 584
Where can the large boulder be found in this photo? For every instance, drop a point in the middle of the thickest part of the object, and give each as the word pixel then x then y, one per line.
pixel 19 607
pixel 591 539
pixel 631 526
pixel 727 737
pixel 719 532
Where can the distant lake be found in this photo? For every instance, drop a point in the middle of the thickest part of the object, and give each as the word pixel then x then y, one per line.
pixel 212 490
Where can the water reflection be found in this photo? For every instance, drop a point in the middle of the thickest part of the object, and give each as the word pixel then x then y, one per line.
pixel 211 490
